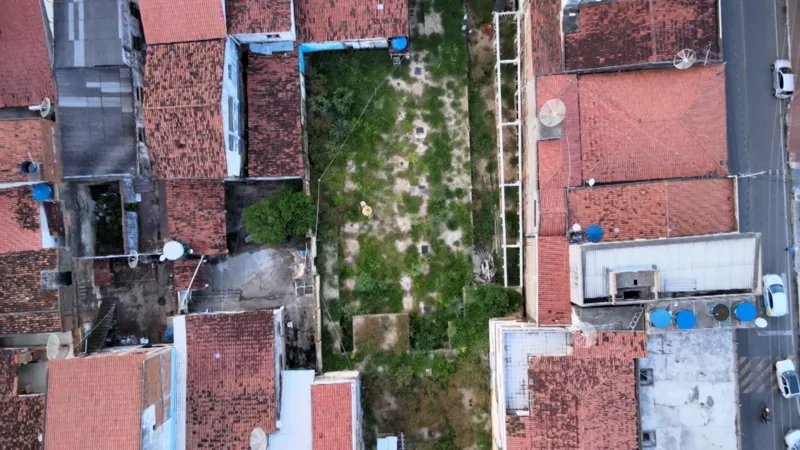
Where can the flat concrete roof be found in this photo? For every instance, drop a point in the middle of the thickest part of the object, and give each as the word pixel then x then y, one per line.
pixel 691 403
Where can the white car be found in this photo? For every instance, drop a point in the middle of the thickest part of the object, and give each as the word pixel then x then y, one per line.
pixel 775 302
pixel 792 439
pixel 782 79
pixel 788 383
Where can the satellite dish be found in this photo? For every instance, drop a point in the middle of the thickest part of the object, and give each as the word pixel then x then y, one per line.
pixel 685 59
pixel 552 112
pixel 173 250
pixel 54 350
pixel 43 108
pixel 258 439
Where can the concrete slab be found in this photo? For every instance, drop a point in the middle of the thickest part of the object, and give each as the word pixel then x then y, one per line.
pixel 690 403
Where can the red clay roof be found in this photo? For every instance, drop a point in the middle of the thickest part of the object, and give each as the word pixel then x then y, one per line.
pixel 168 21
pixel 584 401
pixel 544 24
pixel 326 20
pixel 21 418
pixel 183 109
pixel 27 307
pixel 554 301
pixel 636 126
pixel 24 61
pixel 559 160
pixel 183 271
pixel 19 220
pixel 275 133
pixel 332 416
pixel 230 387
pixel 628 32
pixel 653 124
pixel 95 402
pixel 656 210
pixel 21 139
pixel 258 16
pixel 196 214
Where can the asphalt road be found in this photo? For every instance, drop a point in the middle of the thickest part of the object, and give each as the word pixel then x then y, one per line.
pixel 754 35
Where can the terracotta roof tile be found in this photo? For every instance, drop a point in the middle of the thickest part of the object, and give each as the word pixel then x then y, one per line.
pixel 559 160
pixel 275 133
pixel 583 401
pixel 653 124
pixel 28 307
pixel 553 207
pixel 196 214
pixel 183 110
pixel 332 416
pixel 21 139
pixel 24 60
pixel 183 271
pixel 656 210
pixel 19 220
pixel 327 20
pixel 168 21
pixel 258 16
pixel 629 32
pixel 545 35
pixel 21 418
pixel 554 301
pixel 95 402
pixel 230 388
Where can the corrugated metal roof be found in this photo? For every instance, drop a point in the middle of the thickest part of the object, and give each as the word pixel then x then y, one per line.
pixel 387 443
pixel 725 262
pixel 87 33
pixel 295 429
pixel 98 128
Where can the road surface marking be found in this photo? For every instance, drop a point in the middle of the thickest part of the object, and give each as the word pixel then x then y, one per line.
pixel 775 333
pixel 755 374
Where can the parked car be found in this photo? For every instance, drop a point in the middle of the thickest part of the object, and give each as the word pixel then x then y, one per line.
pixel 788 382
pixel 782 79
pixel 792 440
pixel 775 302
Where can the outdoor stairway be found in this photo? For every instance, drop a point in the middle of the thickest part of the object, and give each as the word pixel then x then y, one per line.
pixel 100 326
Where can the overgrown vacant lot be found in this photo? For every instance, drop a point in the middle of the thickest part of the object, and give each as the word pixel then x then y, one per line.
pixel 397 139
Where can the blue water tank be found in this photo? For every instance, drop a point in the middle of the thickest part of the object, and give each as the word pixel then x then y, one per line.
pixel 594 233
pixel 685 320
pixel 745 311
pixel 399 43
pixel 42 192
pixel 660 318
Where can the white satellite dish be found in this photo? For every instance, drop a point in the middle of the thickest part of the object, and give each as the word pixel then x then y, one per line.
pixel 54 350
pixel 685 59
pixel 43 108
pixel 173 250
pixel 258 439
pixel 552 112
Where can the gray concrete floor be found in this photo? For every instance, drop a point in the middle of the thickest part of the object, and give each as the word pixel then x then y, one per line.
pixel 691 403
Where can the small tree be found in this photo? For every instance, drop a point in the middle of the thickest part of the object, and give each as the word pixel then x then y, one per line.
pixel 274 220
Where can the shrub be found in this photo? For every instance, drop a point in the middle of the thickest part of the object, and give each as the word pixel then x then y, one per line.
pixel 274 220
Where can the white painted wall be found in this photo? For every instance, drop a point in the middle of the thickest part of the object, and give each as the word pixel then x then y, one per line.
pixel 179 328
pixel 233 109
